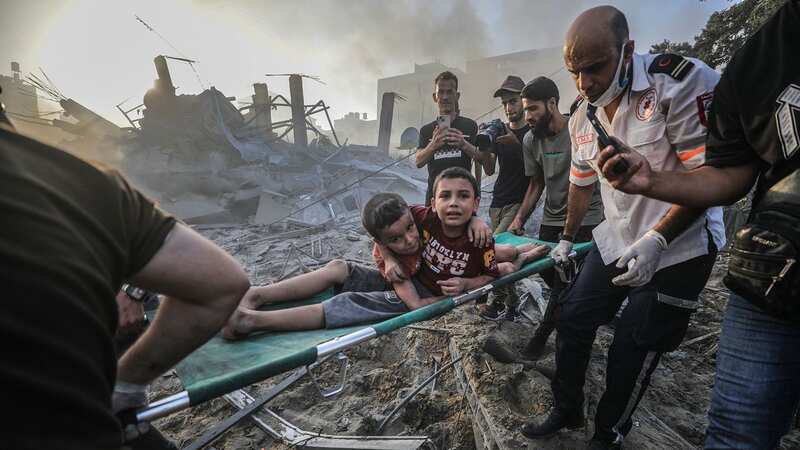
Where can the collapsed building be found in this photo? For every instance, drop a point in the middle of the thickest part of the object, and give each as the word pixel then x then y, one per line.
pixel 208 161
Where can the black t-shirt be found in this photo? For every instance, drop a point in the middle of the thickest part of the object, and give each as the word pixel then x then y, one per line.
pixel 447 156
pixel 755 113
pixel 511 183
pixel 70 233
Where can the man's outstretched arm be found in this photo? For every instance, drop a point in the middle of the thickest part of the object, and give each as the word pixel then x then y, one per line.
pixel 705 186
pixel 532 194
pixel 702 187
pixel 202 285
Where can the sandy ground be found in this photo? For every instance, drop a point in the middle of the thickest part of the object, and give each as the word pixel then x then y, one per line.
pixel 382 372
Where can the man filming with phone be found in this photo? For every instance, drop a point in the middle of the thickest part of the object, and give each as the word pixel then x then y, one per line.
pixel 656 254
pixel 449 140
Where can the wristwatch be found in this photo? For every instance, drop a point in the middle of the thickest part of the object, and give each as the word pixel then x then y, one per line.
pixel 136 294
pixel 566 237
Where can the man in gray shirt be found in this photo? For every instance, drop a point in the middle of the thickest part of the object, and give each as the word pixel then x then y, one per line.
pixel 546 149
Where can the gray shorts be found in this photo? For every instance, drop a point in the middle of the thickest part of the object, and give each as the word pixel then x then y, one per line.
pixel 365 297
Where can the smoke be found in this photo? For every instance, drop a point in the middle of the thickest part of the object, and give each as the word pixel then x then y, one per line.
pixel 99 54
pixel 352 43
pixel 367 34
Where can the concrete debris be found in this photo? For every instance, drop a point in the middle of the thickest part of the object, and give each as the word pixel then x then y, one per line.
pixel 208 161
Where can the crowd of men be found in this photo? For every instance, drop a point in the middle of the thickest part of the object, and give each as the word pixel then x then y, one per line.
pixel 683 142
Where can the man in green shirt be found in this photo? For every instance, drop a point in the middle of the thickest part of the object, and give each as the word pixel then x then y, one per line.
pixel 546 150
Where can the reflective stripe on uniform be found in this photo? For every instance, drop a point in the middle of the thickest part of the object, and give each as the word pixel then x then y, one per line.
pixel 575 173
pixel 675 301
pixel 649 361
pixel 685 155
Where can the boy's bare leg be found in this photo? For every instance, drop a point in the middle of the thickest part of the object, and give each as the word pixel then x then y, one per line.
pixel 296 288
pixel 505 252
pixel 509 253
pixel 505 268
pixel 309 317
pixel 529 254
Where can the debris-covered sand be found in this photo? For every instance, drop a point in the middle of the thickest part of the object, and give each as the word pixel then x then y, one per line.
pixel 382 372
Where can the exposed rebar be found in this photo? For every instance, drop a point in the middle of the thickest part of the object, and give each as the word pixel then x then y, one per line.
pixel 415 392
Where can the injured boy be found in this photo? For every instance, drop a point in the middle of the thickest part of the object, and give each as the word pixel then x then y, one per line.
pixel 443 263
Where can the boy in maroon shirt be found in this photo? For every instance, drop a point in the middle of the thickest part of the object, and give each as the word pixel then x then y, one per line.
pixel 444 263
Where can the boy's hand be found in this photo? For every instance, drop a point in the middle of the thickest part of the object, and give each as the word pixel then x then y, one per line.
pixel 453 286
pixel 479 233
pixel 393 271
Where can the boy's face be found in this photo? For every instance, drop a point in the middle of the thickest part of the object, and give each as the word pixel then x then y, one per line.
pixel 402 236
pixel 454 201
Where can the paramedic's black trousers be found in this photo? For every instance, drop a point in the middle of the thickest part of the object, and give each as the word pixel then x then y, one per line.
pixel 654 322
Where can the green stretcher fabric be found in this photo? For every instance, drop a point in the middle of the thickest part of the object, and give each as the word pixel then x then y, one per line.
pixel 221 366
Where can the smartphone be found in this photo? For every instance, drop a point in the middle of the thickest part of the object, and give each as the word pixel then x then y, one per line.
pixel 443 122
pixel 621 166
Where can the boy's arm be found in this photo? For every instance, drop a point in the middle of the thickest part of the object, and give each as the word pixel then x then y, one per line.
pixel 408 294
pixel 392 270
pixel 479 233
pixel 457 285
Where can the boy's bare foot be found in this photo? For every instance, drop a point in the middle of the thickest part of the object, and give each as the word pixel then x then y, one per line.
pixel 533 253
pixel 524 248
pixel 530 254
pixel 239 324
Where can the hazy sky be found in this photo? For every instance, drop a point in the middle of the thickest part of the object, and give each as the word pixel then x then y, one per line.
pixel 98 54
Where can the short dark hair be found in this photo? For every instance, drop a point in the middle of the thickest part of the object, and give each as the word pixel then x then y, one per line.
pixel 446 75
pixel 540 88
pixel 381 211
pixel 619 28
pixel 455 173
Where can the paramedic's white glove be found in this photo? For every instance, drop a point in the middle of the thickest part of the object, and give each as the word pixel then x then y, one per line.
pixel 642 260
pixel 129 396
pixel 560 253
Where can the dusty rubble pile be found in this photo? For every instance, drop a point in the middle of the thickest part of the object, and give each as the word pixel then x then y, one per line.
pixel 323 183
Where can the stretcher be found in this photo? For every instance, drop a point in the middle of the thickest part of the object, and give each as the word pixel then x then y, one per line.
pixel 220 366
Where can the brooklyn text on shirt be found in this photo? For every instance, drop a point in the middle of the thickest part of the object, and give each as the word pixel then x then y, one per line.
pixel 441 258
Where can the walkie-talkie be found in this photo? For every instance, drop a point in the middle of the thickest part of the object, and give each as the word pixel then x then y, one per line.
pixel 621 166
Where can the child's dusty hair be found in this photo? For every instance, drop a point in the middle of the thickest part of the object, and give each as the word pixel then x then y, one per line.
pixel 381 211
pixel 455 173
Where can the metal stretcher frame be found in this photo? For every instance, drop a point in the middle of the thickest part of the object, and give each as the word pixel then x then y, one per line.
pixel 312 355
